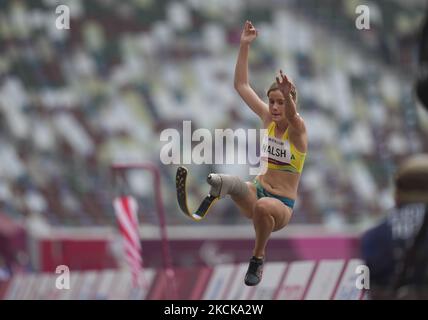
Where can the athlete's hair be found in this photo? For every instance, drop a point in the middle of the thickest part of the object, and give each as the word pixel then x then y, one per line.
pixel 274 86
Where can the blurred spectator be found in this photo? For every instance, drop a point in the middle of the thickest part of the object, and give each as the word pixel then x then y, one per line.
pixel 396 250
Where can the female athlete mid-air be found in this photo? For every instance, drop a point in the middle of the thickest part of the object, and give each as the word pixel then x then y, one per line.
pixel 269 199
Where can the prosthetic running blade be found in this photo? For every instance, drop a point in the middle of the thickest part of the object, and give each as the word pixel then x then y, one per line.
pixel 180 183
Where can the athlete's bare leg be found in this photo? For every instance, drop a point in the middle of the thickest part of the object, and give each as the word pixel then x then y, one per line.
pixel 269 215
pixel 246 203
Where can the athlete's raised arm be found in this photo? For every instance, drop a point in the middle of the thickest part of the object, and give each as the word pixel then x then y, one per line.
pixel 287 89
pixel 241 82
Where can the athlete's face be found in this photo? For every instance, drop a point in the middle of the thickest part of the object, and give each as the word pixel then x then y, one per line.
pixel 276 105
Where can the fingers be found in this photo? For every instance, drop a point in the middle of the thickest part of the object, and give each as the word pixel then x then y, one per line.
pixel 249 33
pixel 247 25
pixel 283 76
pixel 252 29
pixel 283 80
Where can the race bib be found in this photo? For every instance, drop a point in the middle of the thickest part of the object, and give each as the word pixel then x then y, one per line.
pixel 276 150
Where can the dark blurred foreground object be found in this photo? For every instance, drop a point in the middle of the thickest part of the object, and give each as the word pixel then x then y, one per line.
pixel 422 82
pixel 396 250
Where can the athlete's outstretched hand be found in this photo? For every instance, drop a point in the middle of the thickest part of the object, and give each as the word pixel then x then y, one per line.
pixel 249 33
pixel 284 85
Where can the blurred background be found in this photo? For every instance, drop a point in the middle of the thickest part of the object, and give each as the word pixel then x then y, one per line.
pixel 73 102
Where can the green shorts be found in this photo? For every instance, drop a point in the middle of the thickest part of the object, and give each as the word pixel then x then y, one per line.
pixel 261 192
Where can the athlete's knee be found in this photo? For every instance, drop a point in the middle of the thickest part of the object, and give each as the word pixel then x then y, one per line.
pixel 262 208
